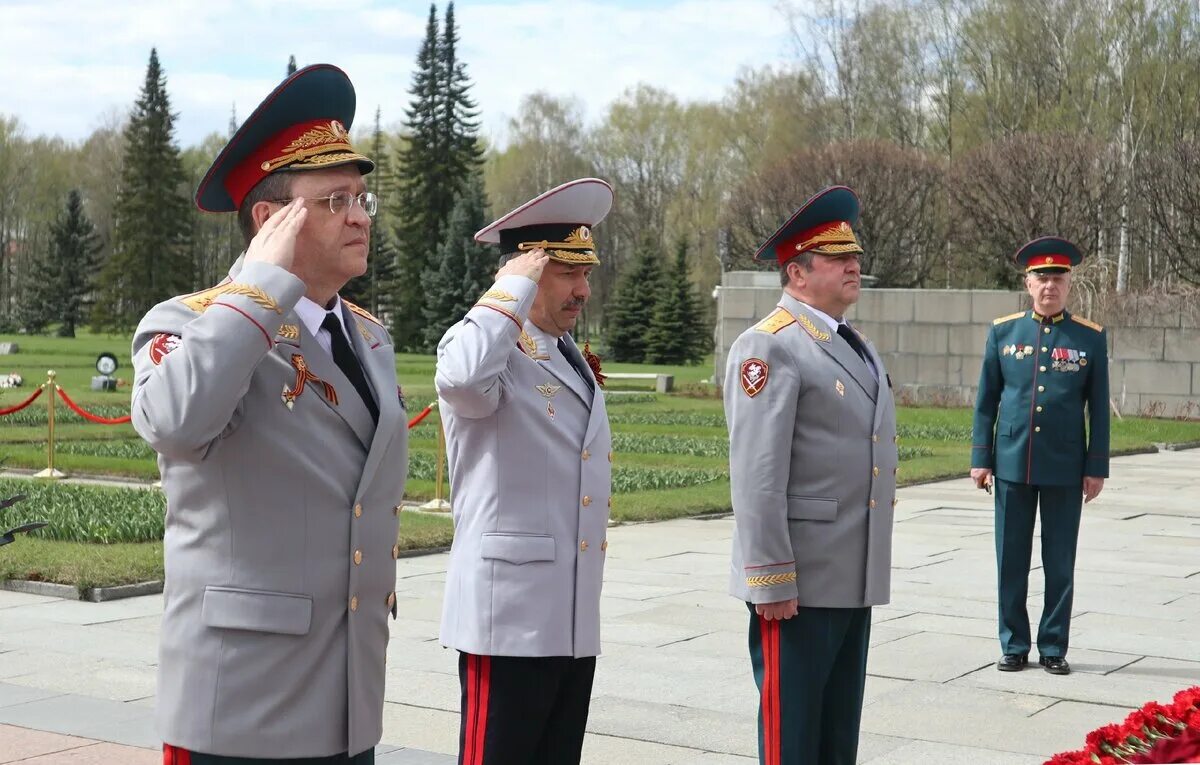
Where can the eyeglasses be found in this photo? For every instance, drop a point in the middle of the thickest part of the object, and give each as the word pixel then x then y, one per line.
pixel 343 200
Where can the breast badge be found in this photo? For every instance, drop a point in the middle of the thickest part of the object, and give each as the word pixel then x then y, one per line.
pixel 754 376
pixel 548 390
pixel 841 389
pixel 1067 360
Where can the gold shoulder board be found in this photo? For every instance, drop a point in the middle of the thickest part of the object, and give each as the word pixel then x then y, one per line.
pixel 361 312
pixel 775 322
pixel 1087 323
pixel 200 301
pixel 1010 317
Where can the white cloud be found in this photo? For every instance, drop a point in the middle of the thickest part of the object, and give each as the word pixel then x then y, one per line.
pixel 73 60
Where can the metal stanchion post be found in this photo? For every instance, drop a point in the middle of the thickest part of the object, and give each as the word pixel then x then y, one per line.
pixel 50 472
pixel 437 503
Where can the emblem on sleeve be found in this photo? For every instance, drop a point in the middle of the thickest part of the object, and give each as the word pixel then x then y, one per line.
pixel 754 376
pixel 161 345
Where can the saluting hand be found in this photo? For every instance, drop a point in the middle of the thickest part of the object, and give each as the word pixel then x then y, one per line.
pixel 783 609
pixel 527 264
pixel 275 242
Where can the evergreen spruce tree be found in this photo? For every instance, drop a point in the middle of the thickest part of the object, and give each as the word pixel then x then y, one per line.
pixel 291 68
pixel 464 268
pixel 439 155
pixel 459 114
pixel 61 281
pixel 414 210
pixel 677 333
pixel 631 314
pixel 371 289
pixel 150 255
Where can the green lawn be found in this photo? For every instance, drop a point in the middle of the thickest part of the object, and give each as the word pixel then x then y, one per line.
pixel 671 454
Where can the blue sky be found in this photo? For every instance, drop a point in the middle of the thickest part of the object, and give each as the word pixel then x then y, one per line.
pixel 71 65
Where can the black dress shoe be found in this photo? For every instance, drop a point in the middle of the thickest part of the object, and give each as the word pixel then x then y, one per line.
pixel 1055 665
pixel 1012 662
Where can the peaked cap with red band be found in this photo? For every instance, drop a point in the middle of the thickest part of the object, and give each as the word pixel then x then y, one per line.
pixel 1048 255
pixel 824 225
pixel 303 124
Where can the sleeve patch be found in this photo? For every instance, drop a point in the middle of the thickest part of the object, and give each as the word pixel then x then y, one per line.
pixel 161 345
pixel 754 376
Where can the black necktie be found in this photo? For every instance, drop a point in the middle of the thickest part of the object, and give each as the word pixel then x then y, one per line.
pixel 850 337
pixel 343 356
pixel 574 362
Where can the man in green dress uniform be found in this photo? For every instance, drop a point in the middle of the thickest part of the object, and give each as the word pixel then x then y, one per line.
pixel 1041 369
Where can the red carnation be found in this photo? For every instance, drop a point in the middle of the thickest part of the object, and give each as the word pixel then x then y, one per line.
pixel 1183 748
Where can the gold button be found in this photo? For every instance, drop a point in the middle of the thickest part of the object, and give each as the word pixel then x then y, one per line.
pixel 354 603
pixel 1037 429
pixel 610 456
pixel 1046 330
pixel 396 510
pixel 395 551
pixel 1039 409
pixel 391 601
pixel 1041 389
pixel 610 501
pixel 357 557
pixel 1043 349
pixel 586 454
pixel 875 470
pixel 587 500
pixel 871 504
pixel 358 511
pixel 583 545
pixel 875 438
pixel 1041 369
pixel 604 546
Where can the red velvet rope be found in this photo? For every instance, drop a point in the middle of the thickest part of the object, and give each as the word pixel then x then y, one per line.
pixel 88 415
pixel 23 404
pixel 415 421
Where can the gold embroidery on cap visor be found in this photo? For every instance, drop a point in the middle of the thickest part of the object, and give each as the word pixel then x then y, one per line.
pixel 577 249
pixel 315 147
pixel 838 240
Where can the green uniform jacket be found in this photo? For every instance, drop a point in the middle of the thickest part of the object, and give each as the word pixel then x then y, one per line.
pixel 1038 373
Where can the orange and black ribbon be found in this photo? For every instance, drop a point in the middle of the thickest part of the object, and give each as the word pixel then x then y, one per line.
pixel 303 377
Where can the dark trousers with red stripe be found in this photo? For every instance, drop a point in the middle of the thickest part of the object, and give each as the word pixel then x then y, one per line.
pixel 173 755
pixel 519 710
pixel 810 671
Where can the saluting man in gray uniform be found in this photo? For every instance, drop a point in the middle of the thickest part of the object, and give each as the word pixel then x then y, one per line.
pixel 812 466
pixel 280 429
pixel 531 466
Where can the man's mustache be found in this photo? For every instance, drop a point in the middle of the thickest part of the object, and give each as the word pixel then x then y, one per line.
pixel 574 303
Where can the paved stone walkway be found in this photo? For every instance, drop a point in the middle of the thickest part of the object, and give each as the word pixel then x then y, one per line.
pixel 674 687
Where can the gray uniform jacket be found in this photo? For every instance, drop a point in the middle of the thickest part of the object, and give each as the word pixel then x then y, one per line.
pixel 531 478
pixel 812 465
pixel 282 516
